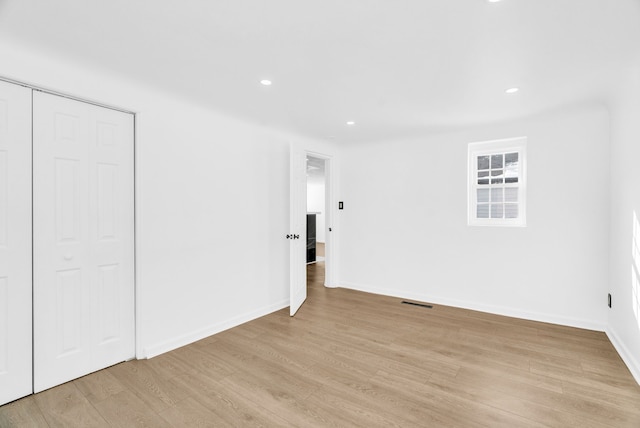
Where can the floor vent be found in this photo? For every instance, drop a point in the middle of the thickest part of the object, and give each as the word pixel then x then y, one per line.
pixel 423 305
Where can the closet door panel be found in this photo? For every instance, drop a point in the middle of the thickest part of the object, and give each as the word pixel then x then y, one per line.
pixel 111 236
pixel 83 239
pixel 62 296
pixel 15 242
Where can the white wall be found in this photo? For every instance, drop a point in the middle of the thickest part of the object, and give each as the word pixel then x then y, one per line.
pixel 624 315
pixel 212 204
pixel 316 203
pixel 405 229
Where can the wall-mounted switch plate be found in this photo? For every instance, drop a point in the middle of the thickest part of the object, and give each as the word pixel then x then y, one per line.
pixel 340 205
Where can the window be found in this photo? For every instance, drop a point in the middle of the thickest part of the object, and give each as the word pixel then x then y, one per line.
pixel 497 183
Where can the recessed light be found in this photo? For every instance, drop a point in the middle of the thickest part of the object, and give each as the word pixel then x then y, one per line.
pixel 265 82
pixel 351 122
pixel 493 1
pixel 512 90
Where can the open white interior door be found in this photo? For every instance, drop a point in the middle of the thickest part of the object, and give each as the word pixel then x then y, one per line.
pixel 297 229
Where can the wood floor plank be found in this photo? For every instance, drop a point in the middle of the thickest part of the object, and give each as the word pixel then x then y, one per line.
pixel 449 409
pixel 574 404
pixel 190 413
pixel 22 414
pixel 229 407
pixel 98 386
pixel 277 399
pixel 345 407
pixel 151 386
pixel 531 411
pixel 66 407
pixel 614 399
pixel 198 361
pixel 126 409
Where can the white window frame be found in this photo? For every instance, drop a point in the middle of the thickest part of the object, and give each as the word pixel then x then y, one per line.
pixel 485 148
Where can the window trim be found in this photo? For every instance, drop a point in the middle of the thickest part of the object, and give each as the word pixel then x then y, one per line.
pixel 518 144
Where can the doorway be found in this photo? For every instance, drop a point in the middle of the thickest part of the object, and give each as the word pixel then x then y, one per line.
pixel 316 221
pixel 316 209
pixel 303 163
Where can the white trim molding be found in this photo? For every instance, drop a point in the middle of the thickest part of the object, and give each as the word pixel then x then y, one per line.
pixel 629 359
pixel 480 307
pixel 186 339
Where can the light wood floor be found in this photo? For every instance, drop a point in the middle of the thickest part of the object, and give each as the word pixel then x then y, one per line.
pixel 355 359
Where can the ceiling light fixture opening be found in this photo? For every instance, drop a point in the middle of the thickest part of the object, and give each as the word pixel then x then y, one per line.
pixel 265 82
pixel 512 90
pixel 351 122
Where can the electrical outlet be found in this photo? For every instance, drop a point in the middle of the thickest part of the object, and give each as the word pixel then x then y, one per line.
pixel 609 300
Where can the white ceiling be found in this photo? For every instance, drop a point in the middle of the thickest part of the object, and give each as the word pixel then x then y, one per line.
pixel 395 67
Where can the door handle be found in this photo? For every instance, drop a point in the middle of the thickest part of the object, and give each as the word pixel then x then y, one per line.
pixel 291 236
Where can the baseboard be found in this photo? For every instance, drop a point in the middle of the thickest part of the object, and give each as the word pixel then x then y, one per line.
pixel 474 306
pixel 170 345
pixel 632 363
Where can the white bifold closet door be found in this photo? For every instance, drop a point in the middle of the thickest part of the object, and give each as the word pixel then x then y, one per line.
pixel 15 242
pixel 83 260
